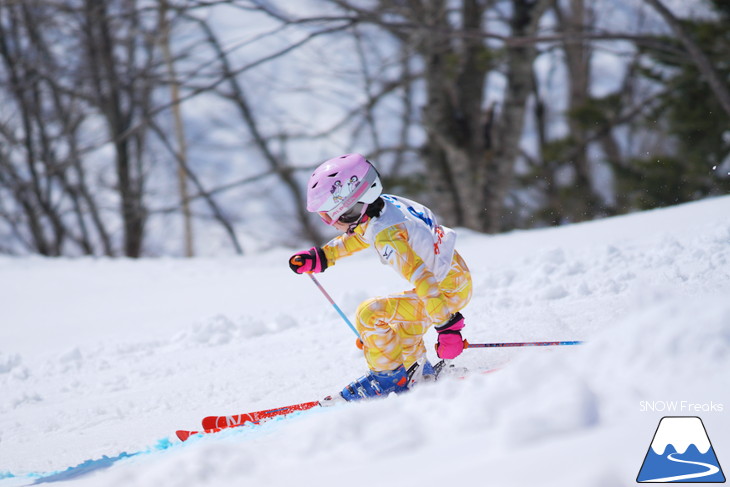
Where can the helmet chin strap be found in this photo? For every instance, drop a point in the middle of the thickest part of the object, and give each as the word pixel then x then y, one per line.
pixel 361 219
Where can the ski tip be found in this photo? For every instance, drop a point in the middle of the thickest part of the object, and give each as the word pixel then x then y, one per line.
pixel 184 435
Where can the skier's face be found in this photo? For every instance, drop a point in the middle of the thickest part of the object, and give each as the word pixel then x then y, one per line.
pixel 341 227
pixel 346 220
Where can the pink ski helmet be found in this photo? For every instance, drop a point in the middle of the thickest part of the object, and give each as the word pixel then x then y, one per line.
pixel 339 184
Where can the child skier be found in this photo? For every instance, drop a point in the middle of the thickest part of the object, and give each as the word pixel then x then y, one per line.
pixel 346 192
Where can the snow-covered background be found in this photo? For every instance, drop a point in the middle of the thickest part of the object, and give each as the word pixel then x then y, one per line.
pixel 100 357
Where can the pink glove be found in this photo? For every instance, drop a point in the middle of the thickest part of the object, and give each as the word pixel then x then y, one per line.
pixel 312 260
pixel 450 343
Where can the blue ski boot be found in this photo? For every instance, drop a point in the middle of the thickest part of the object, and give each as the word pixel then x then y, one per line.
pixel 376 384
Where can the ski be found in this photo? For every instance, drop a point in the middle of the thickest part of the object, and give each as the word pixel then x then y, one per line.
pixel 220 422
pixel 215 424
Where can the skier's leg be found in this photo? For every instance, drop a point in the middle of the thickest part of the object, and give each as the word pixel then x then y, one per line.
pixel 377 322
pixel 457 285
pixel 410 322
pixel 413 323
pixel 392 327
pixel 381 345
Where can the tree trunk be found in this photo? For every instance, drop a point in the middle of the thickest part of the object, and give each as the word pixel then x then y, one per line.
pixel 109 91
pixel 182 156
pixel 572 23
pixel 455 74
pixel 525 17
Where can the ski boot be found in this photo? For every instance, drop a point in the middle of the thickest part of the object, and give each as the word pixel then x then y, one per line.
pixel 374 384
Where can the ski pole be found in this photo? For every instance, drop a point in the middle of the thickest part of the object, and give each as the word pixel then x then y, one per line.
pixel 332 302
pixel 522 344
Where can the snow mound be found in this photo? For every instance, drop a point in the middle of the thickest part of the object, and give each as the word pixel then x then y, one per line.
pixel 115 362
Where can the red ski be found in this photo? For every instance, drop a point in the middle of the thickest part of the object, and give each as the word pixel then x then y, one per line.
pixel 214 424
pixel 220 422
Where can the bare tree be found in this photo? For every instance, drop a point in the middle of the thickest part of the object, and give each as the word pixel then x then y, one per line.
pixel 574 20
pixel 236 93
pixel 64 65
pixel 50 203
pixel 88 87
pixel 181 153
pixel 470 178
pixel 120 86
pixel 470 151
pixel 526 15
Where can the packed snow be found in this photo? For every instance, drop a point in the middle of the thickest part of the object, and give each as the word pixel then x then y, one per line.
pixel 107 358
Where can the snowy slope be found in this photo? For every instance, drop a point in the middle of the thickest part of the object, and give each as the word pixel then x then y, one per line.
pixel 100 357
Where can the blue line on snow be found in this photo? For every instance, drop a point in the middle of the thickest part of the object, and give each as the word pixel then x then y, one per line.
pixel 86 467
pixel 95 465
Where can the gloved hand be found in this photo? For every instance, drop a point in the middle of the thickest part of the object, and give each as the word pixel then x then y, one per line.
pixel 312 260
pixel 450 342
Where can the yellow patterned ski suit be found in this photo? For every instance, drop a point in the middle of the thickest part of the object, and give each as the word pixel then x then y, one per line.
pixel 406 237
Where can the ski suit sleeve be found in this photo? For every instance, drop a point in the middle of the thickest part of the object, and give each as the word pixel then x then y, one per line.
pixel 343 246
pixel 394 249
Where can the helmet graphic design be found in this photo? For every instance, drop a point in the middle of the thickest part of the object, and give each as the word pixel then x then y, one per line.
pixel 339 184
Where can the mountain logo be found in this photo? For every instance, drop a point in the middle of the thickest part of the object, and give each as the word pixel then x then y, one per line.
pixel 681 452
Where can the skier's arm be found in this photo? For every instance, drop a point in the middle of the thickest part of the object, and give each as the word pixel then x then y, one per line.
pixel 343 246
pixel 393 247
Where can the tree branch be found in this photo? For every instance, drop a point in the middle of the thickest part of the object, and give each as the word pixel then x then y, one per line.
pixel 704 65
